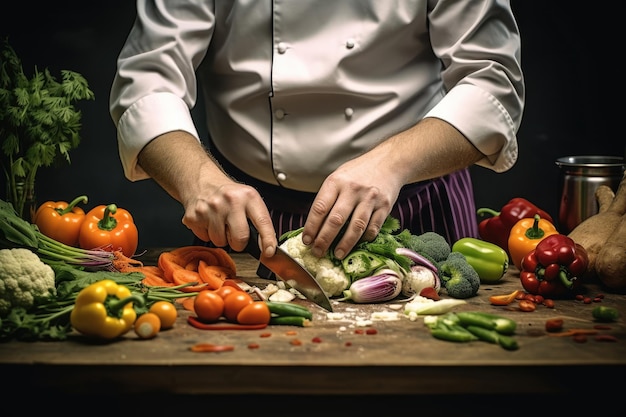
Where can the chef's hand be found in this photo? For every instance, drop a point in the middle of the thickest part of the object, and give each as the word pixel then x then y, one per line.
pixel 356 196
pixel 360 193
pixel 221 217
pixel 217 208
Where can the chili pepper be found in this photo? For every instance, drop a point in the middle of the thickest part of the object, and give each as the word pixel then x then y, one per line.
pixel 504 299
pixel 553 268
pixel 104 310
pixel 223 325
pixel 489 260
pixel 61 221
pixel 109 226
pixel 497 229
pixel 526 234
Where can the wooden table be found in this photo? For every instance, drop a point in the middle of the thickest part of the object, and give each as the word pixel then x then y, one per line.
pixel 336 356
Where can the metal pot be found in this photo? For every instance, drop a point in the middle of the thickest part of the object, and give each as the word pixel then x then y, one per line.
pixel 579 178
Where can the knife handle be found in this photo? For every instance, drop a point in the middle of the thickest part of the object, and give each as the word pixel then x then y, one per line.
pixel 253 249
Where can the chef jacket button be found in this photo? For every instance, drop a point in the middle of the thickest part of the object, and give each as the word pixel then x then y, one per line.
pixel 349 111
pixel 280 114
pixel 350 43
pixel 282 47
pixel 281 176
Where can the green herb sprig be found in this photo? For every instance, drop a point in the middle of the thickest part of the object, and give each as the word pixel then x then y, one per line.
pixel 39 123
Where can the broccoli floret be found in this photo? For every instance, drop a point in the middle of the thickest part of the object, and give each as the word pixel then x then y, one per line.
pixel 458 277
pixel 429 244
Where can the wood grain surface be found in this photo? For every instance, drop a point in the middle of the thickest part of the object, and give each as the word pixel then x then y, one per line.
pixel 348 355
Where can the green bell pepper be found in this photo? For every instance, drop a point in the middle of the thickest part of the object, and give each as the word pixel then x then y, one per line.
pixel 489 260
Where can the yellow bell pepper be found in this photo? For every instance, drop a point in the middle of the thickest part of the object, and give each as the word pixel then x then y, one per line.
pixel 526 235
pixel 104 310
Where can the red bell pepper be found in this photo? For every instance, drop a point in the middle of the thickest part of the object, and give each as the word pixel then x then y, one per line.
pixel 555 267
pixel 497 228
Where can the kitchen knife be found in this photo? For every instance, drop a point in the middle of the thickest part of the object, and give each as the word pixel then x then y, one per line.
pixel 287 269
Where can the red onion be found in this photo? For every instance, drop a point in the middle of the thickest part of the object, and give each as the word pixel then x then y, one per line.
pixel 417 259
pixel 384 286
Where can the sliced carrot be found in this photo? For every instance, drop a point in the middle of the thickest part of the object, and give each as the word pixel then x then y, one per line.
pixel 184 276
pixel 188 303
pixel 225 259
pixel 214 275
pixel 212 256
pixel 192 265
pixel 155 281
pixel 168 262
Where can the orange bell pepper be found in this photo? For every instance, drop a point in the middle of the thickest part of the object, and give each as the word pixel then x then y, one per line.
pixel 525 236
pixel 61 221
pixel 109 227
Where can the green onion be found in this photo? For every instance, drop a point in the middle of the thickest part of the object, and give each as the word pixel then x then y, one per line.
pixel 17 232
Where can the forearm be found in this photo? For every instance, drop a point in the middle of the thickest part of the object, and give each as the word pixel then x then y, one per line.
pixel 181 166
pixel 430 149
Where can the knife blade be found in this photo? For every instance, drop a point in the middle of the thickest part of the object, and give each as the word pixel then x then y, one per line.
pixel 287 269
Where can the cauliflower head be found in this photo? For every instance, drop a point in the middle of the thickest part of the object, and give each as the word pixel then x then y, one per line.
pixel 24 278
pixel 331 277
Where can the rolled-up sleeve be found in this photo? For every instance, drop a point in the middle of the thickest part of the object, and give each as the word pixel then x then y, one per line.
pixel 480 48
pixel 155 85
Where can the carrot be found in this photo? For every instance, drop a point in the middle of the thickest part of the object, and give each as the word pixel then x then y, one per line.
pixel 188 303
pixel 168 262
pixel 212 256
pixel 214 275
pixel 122 263
pixel 152 280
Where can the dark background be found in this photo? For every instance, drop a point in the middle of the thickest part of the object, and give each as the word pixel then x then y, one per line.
pixel 566 56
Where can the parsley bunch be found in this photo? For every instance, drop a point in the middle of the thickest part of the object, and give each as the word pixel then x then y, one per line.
pixel 39 124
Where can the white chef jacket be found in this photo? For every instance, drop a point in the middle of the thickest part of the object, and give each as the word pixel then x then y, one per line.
pixel 293 88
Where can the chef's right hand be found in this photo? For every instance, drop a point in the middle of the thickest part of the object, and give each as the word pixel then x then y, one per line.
pixel 221 217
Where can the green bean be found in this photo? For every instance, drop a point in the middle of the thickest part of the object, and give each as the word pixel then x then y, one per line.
pixel 290 321
pixel 488 321
pixel 278 308
pixel 493 336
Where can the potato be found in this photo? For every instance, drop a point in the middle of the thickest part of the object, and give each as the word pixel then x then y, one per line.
pixel 594 232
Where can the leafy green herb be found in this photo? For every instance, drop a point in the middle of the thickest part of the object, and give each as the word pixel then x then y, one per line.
pixel 50 319
pixel 39 124
pixel 16 232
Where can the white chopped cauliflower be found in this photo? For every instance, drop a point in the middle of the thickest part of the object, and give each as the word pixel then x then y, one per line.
pixel 331 277
pixel 23 278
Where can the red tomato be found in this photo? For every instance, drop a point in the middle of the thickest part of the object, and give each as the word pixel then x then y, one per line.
pixel 255 313
pixel 208 306
pixel 234 303
pixel 225 290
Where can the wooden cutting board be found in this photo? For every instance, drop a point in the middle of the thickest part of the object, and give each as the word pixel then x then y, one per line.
pixel 348 351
